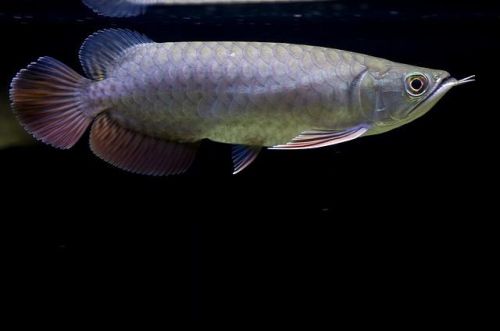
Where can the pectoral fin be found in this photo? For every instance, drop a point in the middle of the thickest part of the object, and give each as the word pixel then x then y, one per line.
pixel 243 156
pixel 322 138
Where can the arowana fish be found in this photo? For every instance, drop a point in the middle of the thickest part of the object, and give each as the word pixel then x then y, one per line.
pixel 127 8
pixel 150 104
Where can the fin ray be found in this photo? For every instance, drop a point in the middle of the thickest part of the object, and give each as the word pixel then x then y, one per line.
pixel 100 51
pixel 46 98
pixel 138 153
pixel 116 8
pixel 243 156
pixel 322 138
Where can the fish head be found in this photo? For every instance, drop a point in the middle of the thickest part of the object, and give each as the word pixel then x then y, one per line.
pixel 403 93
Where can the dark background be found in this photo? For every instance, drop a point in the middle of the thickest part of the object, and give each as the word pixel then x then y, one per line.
pixel 386 229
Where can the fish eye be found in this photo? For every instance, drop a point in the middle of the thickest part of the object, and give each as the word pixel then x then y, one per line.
pixel 416 84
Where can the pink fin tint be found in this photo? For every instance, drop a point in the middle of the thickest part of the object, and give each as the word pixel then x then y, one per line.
pixel 243 156
pixel 138 153
pixel 46 98
pixel 102 50
pixel 117 8
pixel 322 138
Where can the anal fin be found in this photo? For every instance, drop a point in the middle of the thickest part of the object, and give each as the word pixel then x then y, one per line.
pixel 138 153
pixel 243 156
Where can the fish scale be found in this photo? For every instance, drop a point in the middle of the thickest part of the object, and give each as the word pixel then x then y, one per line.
pixel 222 83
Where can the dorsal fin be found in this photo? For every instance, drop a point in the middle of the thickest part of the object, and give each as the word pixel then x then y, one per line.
pixel 101 50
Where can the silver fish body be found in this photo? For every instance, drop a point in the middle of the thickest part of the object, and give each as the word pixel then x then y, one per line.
pixel 234 92
pixel 187 2
pixel 124 8
pixel 150 103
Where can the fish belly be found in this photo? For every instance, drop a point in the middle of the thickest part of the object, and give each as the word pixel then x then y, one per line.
pixel 232 92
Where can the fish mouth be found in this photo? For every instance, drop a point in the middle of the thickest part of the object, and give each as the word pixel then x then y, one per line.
pixel 449 82
pixel 443 85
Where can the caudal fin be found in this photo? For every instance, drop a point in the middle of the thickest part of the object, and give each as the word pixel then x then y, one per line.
pixel 47 99
pixel 117 8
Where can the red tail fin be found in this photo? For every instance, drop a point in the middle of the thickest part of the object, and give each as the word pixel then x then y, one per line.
pixel 46 98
